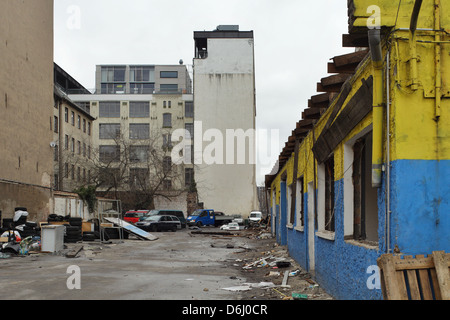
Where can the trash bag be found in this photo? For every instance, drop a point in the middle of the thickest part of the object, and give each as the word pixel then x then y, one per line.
pixel 18 214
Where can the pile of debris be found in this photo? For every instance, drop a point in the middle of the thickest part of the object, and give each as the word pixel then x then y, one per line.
pixel 272 274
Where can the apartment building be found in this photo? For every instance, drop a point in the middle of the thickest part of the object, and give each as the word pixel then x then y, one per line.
pixel 142 79
pixel 72 135
pixel 26 91
pixel 225 106
pixel 136 111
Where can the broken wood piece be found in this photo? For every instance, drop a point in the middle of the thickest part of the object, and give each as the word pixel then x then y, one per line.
pixel 285 279
pixel 73 253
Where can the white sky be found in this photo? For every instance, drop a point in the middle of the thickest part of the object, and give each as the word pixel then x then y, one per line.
pixel 294 41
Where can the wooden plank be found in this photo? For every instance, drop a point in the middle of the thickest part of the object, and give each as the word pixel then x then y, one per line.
pixel 73 253
pixel 389 279
pixel 442 272
pixel 412 281
pixel 435 283
pixel 355 40
pixel 424 281
pixel 354 111
pixel 420 262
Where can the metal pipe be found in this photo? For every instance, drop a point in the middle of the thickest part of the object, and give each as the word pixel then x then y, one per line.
pixel 437 26
pixel 377 64
pixel 388 155
pixel 413 47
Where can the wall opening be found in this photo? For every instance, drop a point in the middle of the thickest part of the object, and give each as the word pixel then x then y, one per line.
pixel 365 204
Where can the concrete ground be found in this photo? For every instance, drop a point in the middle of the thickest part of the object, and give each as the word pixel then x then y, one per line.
pixel 178 266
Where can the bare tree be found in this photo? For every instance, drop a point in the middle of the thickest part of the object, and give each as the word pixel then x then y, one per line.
pixel 136 168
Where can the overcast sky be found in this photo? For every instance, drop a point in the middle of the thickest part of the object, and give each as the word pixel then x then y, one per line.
pixel 294 41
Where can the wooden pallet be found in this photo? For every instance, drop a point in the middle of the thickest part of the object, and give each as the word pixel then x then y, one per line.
pixel 419 278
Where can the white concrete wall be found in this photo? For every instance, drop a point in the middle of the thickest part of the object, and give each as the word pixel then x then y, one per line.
pixel 224 98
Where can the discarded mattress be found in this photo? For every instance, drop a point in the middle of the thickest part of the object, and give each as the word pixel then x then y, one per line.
pixel 132 229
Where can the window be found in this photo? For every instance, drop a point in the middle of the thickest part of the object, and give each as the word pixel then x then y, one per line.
pixel 109 177
pixel 139 153
pixel 109 109
pixel 167 184
pixel 189 127
pixel 109 153
pixel 167 120
pixel 79 122
pixel 139 109
pixel 300 219
pixel 142 74
pixel 365 197
pixel 113 74
pixel 188 176
pixel 139 131
pixel 329 194
pixel 290 204
pixel 66 170
pixel 55 124
pixel 66 142
pixel 169 87
pixel 84 149
pixel 109 130
pixel 79 147
pixel 142 88
pixel 73 145
pixel 56 153
pixel 72 118
pixel 138 177
pixel 73 172
pixel 113 88
pixel 89 128
pixel 66 115
pixel 168 74
pixel 84 125
pixel 189 109
pixel 167 164
pixel 167 141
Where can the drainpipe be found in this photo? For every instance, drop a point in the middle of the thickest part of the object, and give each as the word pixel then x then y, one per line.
pixel 377 65
pixel 413 44
pixel 437 27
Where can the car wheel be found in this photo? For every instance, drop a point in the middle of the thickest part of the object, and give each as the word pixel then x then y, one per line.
pixel 199 224
pixel 153 229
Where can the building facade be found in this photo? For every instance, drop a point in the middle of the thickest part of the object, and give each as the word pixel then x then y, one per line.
pixel 225 112
pixel 367 170
pixel 72 135
pixel 132 133
pixel 26 90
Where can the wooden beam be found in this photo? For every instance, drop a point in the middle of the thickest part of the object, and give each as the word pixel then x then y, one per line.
pixel 355 40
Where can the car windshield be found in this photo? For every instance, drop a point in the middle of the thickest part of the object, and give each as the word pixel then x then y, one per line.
pixel 255 214
pixel 152 218
pixel 153 212
pixel 196 213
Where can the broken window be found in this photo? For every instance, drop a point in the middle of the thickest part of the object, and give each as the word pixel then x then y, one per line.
pixel 290 203
pixel 299 203
pixel 329 194
pixel 365 205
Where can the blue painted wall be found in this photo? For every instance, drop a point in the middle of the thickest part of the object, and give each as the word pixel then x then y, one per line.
pixel 420 196
pixel 419 224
